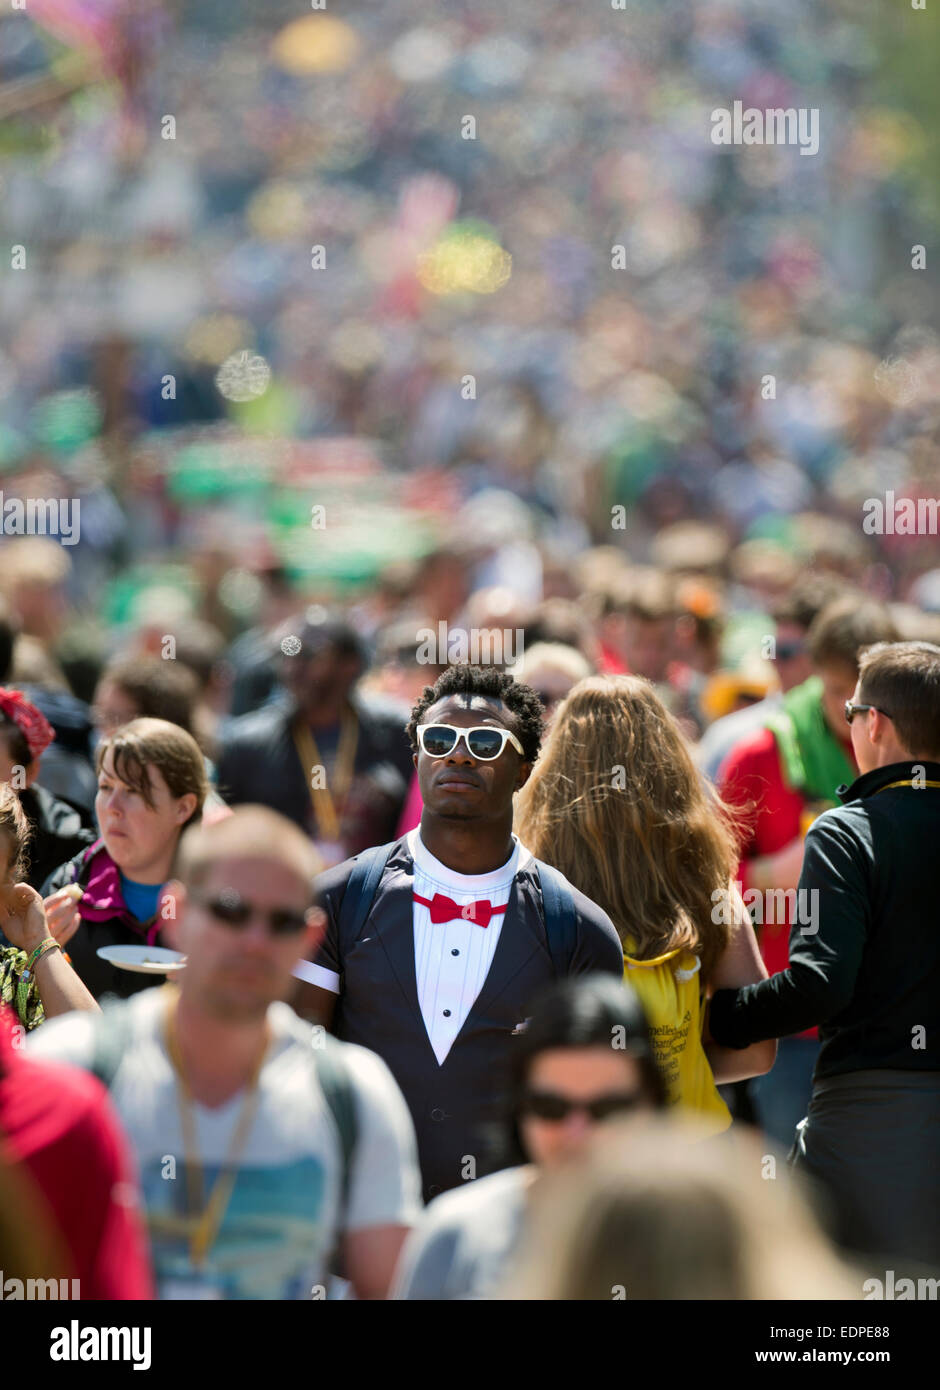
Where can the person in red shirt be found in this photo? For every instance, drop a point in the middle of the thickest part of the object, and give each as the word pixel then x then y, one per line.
pixel 781 777
pixel 63 1151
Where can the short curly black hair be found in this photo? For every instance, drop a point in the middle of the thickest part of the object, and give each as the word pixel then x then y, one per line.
pixel 463 679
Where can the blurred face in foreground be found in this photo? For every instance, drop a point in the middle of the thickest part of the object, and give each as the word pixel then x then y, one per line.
pixel 574 1077
pixel 237 964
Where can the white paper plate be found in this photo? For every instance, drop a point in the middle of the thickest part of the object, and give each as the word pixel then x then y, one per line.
pixel 144 960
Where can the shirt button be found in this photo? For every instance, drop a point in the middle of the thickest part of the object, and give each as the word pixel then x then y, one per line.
pixel 437 1114
pixel 434 1189
pixel 447 1013
pixel 455 952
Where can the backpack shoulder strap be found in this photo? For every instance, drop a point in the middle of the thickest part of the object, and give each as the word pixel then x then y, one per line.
pixel 561 928
pixel 337 1086
pixel 112 1036
pixel 360 890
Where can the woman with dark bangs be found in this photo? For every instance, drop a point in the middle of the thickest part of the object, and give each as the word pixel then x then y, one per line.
pixel 151 784
pixel 616 804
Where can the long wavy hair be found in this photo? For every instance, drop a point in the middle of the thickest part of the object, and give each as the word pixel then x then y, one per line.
pixel 616 803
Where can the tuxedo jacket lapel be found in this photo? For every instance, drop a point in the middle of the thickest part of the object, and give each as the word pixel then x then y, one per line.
pixel 391 919
pixel 516 945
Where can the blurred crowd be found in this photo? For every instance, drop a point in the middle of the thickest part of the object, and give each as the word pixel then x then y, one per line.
pixel 763 358
pixel 348 334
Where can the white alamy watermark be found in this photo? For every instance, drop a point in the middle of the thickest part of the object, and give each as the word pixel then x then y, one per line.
pixel 748 125
pixel 774 907
pixel 900 516
pixel 39 1290
pixel 480 646
pixel 41 516
pixel 77 1343
pixel 900 1290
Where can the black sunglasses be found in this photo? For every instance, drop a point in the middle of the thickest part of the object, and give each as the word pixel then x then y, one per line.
pixel 236 913
pixel 547 1105
pixel 852 709
pixel 788 651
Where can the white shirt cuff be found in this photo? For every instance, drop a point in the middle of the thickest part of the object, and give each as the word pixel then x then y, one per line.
pixel 316 975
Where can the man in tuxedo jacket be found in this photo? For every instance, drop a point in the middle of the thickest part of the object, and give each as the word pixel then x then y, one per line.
pixel 439 977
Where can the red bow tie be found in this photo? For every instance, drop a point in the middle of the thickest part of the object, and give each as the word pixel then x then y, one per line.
pixel 444 909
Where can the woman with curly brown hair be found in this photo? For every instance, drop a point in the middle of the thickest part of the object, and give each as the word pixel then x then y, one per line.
pixel 616 804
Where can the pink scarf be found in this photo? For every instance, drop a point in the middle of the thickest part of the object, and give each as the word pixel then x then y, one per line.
pixel 103 898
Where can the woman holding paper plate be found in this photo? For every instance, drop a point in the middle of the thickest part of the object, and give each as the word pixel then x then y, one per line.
pixel 152 784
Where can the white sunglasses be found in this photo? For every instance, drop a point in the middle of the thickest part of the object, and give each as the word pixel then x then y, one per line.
pixel 483 741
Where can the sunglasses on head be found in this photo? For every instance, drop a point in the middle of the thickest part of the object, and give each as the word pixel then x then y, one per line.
pixel 852 709
pixel 547 1105
pixel 233 910
pixel 484 742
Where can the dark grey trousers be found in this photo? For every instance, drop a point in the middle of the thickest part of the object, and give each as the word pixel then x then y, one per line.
pixel 871 1141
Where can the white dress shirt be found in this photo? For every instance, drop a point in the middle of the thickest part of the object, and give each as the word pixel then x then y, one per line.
pixel 452 959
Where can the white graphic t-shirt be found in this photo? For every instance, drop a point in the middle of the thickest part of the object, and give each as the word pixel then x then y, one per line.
pixel 282 1220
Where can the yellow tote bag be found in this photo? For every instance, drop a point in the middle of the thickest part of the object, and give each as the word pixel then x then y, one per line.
pixel 669 988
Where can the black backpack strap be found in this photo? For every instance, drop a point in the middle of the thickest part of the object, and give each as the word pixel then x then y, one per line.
pixel 360 890
pixel 337 1086
pixel 561 927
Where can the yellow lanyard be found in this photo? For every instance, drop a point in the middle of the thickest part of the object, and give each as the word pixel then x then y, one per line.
pixel 325 805
pixel 212 1213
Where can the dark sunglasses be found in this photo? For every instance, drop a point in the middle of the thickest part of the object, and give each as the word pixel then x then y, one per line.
pixel 484 743
pixel 236 913
pixel 547 1105
pixel 788 651
pixel 851 710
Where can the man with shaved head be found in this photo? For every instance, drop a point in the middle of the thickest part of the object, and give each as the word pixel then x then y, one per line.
pixel 264 1146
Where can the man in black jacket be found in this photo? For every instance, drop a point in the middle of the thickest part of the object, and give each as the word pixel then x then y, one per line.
pixel 870 976
pixel 439 977
pixel 337 765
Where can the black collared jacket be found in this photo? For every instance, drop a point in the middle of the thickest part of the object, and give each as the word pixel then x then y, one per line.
pixel 258 762
pixel 450 1103
pixel 870 975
